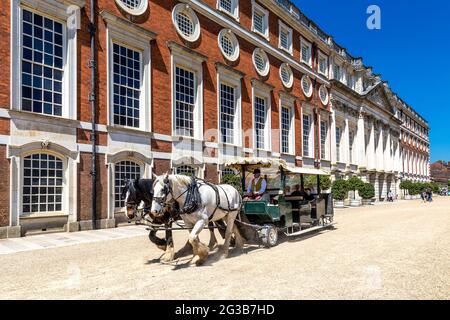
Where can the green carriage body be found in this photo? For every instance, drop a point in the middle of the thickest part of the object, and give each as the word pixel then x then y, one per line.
pixel 287 214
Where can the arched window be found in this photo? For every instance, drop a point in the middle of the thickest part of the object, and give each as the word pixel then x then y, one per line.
pixel 124 170
pixel 42 183
pixel 186 170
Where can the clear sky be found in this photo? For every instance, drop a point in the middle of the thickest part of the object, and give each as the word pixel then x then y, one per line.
pixel 411 52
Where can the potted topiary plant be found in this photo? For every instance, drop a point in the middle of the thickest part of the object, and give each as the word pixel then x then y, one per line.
pixel 339 190
pixel 405 185
pixel 355 183
pixel 367 193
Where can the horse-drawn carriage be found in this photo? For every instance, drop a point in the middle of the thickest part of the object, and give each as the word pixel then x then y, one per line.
pixel 291 215
pixel 200 204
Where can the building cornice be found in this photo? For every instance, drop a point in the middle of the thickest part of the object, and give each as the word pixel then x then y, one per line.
pixel 249 36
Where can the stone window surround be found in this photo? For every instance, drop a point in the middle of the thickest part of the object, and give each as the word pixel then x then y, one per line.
pixel 185 160
pixel 70 159
pixel 322 55
pixel 124 33
pixel 305 42
pixel 188 59
pixel 144 162
pixel 232 78
pixel 186 8
pixel 256 6
pixel 308 109
pixel 325 118
pixel 234 5
pixel 262 90
pixel 64 12
pixel 288 101
pixel 283 26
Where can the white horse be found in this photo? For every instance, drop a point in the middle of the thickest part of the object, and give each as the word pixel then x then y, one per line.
pixel 169 188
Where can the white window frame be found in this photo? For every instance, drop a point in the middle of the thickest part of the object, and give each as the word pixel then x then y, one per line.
pixel 118 31
pixel 185 8
pixel 141 174
pixel 304 42
pixel 288 68
pixel 339 158
pixel 64 13
pixel 283 27
pixel 311 88
pixel 261 91
pixel 230 78
pixel 182 58
pixel 264 55
pixel 323 56
pixel 308 112
pixel 70 186
pixel 228 33
pixel 234 7
pixel 337 76
pixel 257 7
pixel 286 102
pixel 137 11
pixel 327 100
pixel 327 138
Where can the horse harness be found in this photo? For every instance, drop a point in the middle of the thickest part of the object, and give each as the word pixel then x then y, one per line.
pixel 193 199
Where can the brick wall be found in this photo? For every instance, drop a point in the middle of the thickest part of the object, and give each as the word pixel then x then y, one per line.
pixel 85 190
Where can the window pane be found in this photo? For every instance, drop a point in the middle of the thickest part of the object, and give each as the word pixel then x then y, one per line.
pixel 124 170
pixel 38 195
pixel 184 102
pixel 127 84
pixel 227 113
pixel 39 69
pixel 260 122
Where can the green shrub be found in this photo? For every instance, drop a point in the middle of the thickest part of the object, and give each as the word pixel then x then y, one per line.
pixel 311 182
pixel 339 189
pixel 234 180
pixel 355 183
pixel 415 188
pixel 367 191
pixel 434 187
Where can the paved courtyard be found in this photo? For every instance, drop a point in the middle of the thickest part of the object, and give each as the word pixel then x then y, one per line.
pixel 386 251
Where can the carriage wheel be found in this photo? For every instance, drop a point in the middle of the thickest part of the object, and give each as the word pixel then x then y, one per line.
pixel 270 238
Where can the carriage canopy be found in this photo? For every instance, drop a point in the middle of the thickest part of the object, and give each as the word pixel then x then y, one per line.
pixel 271 166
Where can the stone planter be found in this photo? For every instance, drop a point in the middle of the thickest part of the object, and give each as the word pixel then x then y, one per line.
pixel 355 203
pixel 339 204
pixel 366 202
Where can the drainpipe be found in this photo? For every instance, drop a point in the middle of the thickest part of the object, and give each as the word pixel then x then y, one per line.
pixel 92 100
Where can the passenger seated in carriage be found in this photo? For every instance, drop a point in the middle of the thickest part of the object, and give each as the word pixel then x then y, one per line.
pixel 256 189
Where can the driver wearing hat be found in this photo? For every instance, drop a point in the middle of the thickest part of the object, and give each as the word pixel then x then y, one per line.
pixel 257 187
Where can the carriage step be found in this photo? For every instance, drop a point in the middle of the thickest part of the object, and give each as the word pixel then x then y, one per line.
pixel 298 233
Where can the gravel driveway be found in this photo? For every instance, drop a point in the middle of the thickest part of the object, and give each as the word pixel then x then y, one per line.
pixel 387 251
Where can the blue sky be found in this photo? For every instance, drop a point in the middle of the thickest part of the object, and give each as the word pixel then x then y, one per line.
pixel 411 52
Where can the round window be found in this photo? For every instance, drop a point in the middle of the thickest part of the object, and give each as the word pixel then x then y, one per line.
pixel 323 94
pixel 186 22
pixel 229 45
pixel 261 62
pixel 286 75
pixel 307 86
pixel 134 7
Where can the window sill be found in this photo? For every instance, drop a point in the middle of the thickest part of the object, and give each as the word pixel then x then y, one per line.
pixel 227 13
pixel 290 52
pixel 118 128
pixel 261 34
pixel 43 215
